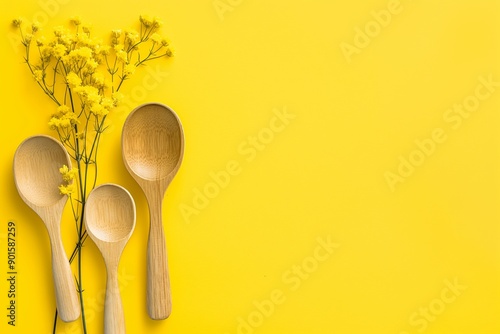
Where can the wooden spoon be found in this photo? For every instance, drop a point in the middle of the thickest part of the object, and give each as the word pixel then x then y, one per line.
pixel 110 221
pixel 153 147
pixel 36 172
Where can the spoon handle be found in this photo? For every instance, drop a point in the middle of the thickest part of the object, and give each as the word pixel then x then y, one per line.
pixel 68 306
pixel 159 300
pixel 114 319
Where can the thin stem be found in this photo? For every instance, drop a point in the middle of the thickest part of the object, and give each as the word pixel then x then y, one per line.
pixel 81 228
pixel 75 213
pixel 75 250
pixel 122 79
pixel 55 323
pixel 43 87
pixel 80 289
pixel 95 161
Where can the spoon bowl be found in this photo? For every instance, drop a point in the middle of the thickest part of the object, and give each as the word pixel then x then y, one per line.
pixel 110 214
pixel 110 221
pixel 36 173
pixel 153 148
pixel 152 142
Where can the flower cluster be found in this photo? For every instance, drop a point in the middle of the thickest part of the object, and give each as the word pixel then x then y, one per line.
pixel 68 176
pixel 91 70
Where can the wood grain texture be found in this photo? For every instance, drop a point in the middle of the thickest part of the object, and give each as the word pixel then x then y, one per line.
pixel 110 221
pixel 37 177
pixel 153 148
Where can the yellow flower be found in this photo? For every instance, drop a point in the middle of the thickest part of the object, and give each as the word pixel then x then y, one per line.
pixel 67 189
pixel 92 94
pixel 122 56
pixel 64 169
pixel 84 39
pixel 98 110
pixel 165 42
pixel 68 174
pixel 71 117
pixel 80 90
pixel 38 75
pixel 54 123
pixel 98 78
pixel 131 36
pixel 63 119
pixel 169 52
pixel 62 110
pixel 102 49
pixel 157 23
pixel 17 22
pixel 46 52
pixel 59 50
pixel 73 79
pixel 156 38
pixel 117 98
pixel 27 39
pixel 86 28
pixel 58 123
pixel 67 41
pixel 129 69
pixel 76 20
pixel 91 64
pixel 59 31
pixel 83 52
pixel 40 41
pixel 107 103
pixel 146 20
pixel 116 33
pixel 35 26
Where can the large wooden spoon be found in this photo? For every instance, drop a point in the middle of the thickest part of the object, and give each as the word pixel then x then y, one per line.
pixel 37 177
pixel 153 147
pixel 110 221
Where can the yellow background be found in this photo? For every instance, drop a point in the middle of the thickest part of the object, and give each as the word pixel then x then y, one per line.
pixel 321 176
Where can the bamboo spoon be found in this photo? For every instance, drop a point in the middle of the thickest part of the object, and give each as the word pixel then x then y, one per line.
pixel 110 221
pixel 153 147
pixel 36 172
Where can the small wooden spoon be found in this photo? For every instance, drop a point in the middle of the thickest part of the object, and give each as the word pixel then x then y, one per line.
pixel 153 147
pixel 110 221
pixel 37 177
